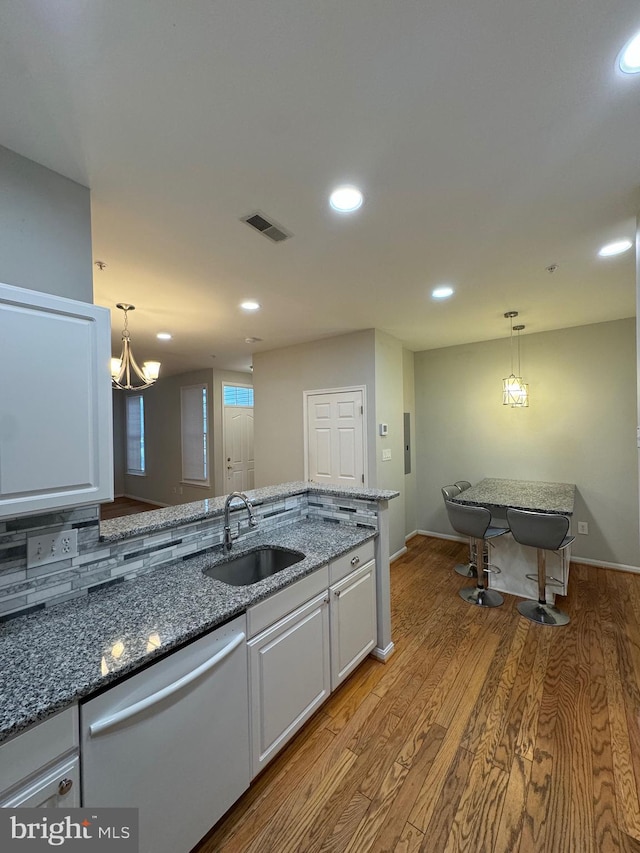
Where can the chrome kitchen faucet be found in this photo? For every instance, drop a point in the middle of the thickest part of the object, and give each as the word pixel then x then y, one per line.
pixel 228 536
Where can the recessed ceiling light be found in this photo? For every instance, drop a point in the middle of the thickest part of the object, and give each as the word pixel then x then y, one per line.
pixel 163 336
pixel 442 292
pixel 616 248
pixel 629 59
pixel 250 305
pixel 346 199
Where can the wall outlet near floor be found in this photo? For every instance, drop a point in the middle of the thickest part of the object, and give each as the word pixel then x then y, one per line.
pixel 583 527
pixel 51 547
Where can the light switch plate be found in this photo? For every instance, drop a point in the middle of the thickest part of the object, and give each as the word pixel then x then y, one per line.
pixel 386 455
pixel 46 548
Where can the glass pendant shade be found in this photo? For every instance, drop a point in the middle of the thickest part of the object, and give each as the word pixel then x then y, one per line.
pixel 515 392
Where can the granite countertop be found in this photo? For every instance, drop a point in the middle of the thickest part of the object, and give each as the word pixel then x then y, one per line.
pixel 521 494
pixel 56 656
pixel 142 523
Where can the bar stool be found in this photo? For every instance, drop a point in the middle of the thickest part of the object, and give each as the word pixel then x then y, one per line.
pixel 463 485
pixel 475 522
pixel 467 570
pixel 449 492
pixel 544 531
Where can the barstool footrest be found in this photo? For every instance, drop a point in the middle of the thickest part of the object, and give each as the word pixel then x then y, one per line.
pixel 550 581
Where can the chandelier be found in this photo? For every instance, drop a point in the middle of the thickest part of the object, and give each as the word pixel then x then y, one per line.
pixel 515 392
pixel 125 369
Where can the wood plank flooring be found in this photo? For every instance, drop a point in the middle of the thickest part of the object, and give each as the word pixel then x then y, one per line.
pixel 124 506
pixel 484 732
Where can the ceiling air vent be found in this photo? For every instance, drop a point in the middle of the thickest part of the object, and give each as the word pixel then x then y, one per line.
pixel 269 229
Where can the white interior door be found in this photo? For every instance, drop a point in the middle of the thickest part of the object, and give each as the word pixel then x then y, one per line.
pixel 335 437
pixel 238 448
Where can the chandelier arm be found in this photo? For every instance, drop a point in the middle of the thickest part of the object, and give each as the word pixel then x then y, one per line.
pixel 127 363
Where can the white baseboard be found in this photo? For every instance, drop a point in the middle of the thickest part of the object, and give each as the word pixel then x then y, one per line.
pixel 398 554
pixel 383 654
pixel 618 567
pixel 411 535
pixel 452 537
pixel 143 500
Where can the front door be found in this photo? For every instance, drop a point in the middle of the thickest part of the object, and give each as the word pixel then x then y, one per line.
pixel 335 437
pixel 238 448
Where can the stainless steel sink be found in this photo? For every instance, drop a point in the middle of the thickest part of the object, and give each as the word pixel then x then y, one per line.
pixel 254 566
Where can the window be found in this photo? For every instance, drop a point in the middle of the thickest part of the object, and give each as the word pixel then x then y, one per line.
pixel 135 434
pixel 237 395
pixel 195 429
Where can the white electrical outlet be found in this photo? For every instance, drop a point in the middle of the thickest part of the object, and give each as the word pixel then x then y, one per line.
pixel 51 547
pixel 583 527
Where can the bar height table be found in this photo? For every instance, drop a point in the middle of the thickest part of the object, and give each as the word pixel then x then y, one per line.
pixel 515 560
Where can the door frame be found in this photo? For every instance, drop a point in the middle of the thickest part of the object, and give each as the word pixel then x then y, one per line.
pixel 346 388
pixel 222 456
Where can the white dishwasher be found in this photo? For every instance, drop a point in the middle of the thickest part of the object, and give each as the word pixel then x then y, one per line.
pixel 173 741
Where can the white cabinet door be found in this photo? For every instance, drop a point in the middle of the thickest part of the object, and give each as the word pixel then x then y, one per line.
pixel 55 403
pixel 353 621
pixel 57 787
pixel 289 676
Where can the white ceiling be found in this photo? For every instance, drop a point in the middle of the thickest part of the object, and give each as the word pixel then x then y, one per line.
pixel 491 138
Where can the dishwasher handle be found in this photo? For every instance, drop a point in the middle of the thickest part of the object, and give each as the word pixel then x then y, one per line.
pixel 109 722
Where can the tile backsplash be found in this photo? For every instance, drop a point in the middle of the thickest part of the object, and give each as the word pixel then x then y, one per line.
pixel 101 563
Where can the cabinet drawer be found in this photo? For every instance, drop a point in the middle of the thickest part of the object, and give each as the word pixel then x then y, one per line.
pixel 266 612
pixel 350 561
pixel 37 747
pixel 58 787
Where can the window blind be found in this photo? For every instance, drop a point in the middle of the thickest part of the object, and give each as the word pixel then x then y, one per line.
pixel 237 395
pixel 135 434
pixel 193 406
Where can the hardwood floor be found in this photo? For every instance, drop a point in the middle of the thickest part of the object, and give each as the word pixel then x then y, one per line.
pixel 484 732
pixel 124 506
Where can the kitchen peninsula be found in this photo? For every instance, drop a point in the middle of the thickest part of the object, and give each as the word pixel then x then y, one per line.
pixel 60 653
pixel 515 561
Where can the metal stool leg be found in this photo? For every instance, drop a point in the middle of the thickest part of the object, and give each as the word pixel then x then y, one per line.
pixel 469 570
pixel 480 595
pixel 539 611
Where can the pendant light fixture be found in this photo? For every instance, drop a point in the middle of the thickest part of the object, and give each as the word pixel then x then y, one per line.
pixel 515 392
pixel 125 369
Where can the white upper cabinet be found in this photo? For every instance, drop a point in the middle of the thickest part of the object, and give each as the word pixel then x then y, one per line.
pixel 56 430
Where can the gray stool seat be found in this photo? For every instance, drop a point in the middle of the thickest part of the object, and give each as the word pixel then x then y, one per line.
pixel 475 522
pixel 544 531
pixel 467 570
pixel 463 485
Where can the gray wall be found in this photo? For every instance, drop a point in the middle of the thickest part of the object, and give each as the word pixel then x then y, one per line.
pixel 410 480
pixel 162 482
pixel 580 427
pixel 279 379
pixel 119 459
pixel 389 410
pixel 45 230
pixel 370 358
